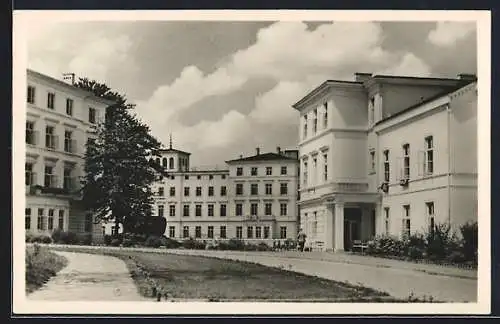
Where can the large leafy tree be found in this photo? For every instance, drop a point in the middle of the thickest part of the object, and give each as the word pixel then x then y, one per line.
pixel 119 163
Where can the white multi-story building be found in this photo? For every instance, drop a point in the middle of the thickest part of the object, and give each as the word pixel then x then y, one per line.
pixel 254 198
pixel 386 155
pixel 60 119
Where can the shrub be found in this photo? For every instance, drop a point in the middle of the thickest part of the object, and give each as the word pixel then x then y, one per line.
pixel 56 235
pixel 222 246
pixel 68 238
pixel 250 247
pixel 40 266
pixel 84 238
pixel 116 242
pixel 263 247
pixel 41 239
pixel 107 239
pixel 29 237
pixel 440 242
pixel 235 244
pixel 456 257
pixel 189 244
pixel 170 243
pixel 153 241
pixel 469 233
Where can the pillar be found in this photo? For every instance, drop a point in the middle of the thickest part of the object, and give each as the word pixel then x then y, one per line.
pixel 339 227
pixel 379 219
pixel 329 228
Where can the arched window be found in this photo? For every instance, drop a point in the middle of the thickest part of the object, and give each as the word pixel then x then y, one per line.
pixel 164 162
pixel 171 163
pixel 158 160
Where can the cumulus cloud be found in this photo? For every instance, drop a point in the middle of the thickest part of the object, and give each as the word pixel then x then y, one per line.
pixel 408 65
pixel 447 33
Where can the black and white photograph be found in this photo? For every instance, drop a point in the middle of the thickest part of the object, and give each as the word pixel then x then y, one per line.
pixel 251 162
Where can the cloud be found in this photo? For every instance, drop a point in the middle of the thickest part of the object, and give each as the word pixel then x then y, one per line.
pixel 409 65
pixel 448 33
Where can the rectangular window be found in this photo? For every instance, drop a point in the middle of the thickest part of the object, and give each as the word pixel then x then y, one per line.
pixel 223 232
pixel 387 171
pixel 304 177
pixel 304 132
pixel 51 98
pixel 258 232
pixel 210 191
pixel 406 222
pixel 50 178
pixel 372 161
pixel 50 219
pixel 171 231
pixel 254 209
pixel 171 210
pixel 61 220
pixel 282 232
pixel 386 220
pixel 69 107
pixel 31 94
pixel 39 221
pixel 30 178
pixel 325 167
pixel 283 188
pixel 50 138
pixel 161 211
pixel 254 189
pixel 197 211
pixel 31 134
pixel 315 121
pixel 186 191
pixel 223 210
pixel 266 232
pixel 172 191
pixel 89 223
pixel 210 177
pixel 269 171
pixel 239 171
pixel 198 191
pixel 239 189
pixel 283 170
pixel 269 209
pixel 314 223
pixel 325 115
pixel 406 161
pixel 210 232
pixel 27 218
pixel 239 232
pixel 69 145
pixel 269 188
pixel 186 177
pixel 92 115
pixel 249 232
pixel 223 176
pixel 239 210
pixel 223 191
pixel 185 211
pixel 185 231
pixel 283 209
pixel 210 210
pixel 197 232
pixel 430 215
pixel 253 171
pixel 429 155
pixel 161 191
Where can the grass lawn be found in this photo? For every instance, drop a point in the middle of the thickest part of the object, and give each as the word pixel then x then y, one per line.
pixel 41 266
pixel 195 277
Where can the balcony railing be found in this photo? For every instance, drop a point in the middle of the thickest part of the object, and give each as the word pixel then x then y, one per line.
pixel 70 146
pixel 32 137
pixel 255 218
pixel 349 187
pixel 51 142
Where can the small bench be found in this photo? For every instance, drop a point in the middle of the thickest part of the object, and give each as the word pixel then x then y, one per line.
pixel 359 245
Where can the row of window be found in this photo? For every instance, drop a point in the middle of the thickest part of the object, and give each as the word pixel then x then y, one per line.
pixel 45 222
pixel 305 174
pixel 51 139
pixel 254 190
pixel 254 171
pixel 315 121
pixel 170 162
pixel 427 160
pixel 260 232
pixel 51 102
pixel 406 219
pixel 50 179
pixel 199 177
pixel 254 209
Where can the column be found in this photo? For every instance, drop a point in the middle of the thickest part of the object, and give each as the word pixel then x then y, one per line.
pixel 339 227
pixel 379 219
pixel 329 228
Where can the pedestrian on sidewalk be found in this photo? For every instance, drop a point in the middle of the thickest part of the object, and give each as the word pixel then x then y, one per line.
pixel 301 238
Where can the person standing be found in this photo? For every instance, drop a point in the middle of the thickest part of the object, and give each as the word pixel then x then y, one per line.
pixel 301 238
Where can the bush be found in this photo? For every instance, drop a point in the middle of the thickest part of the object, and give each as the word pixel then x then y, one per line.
pixel 41 239
pixel 84 238
pixel 107 239
pixel 153 241
pixel 41 264
pixel 263 247
pixel 235 244
pixel 116 242
pixel 28 237
pixel 469 233
pixel 56 235
pixel 170 243
pixel 250 247
pixel 441 241
pixel 222 246
pixel 68 238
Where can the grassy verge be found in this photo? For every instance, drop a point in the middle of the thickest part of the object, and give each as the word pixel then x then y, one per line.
pixel 196 277
pixel 41 265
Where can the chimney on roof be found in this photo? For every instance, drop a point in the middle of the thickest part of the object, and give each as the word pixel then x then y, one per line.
pixel 278 150
pixel 257 151
pixel 362 77
pixel 467 77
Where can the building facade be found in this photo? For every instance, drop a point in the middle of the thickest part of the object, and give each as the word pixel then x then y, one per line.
pixel 251 198
pixel 386 155
pixel 60 119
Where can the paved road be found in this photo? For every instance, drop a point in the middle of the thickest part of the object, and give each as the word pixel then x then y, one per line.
pixel 89 277
pixel 397 279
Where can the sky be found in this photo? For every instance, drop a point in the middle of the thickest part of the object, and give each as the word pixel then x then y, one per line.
pixel 224 88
